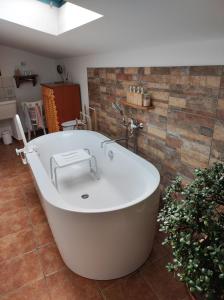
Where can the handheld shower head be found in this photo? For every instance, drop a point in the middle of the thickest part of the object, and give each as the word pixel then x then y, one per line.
pixel 117 107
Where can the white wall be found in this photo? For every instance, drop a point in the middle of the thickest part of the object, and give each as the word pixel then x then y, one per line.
pixel 10 58
pixel 203 53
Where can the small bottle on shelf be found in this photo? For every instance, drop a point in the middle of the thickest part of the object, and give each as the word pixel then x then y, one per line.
pixel 146 101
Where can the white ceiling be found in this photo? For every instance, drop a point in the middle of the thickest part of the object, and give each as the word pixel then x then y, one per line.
pixel 126 24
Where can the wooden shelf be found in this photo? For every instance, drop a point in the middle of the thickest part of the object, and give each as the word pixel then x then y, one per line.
pixel 25 78
pixel 125 103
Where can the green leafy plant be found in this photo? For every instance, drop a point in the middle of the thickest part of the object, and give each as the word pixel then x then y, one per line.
pixel 193 220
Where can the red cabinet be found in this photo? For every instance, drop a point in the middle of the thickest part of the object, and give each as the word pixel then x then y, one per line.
pixel 62 102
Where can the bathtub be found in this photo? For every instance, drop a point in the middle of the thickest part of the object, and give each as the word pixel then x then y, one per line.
pixel 110 233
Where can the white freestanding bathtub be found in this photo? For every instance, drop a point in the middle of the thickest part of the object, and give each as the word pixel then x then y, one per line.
pixel 109 234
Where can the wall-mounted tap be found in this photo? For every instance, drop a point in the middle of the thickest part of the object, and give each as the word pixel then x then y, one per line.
pixel 134 125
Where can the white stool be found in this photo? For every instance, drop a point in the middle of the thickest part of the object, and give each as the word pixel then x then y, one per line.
pixel 69 158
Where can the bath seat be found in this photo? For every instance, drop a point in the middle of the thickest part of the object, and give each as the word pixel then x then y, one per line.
pixel 65 159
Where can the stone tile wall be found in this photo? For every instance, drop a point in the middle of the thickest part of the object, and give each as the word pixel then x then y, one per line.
pixel 185 130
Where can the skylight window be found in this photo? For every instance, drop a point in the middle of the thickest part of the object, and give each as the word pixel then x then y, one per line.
pixel 50 16
pixel 57 3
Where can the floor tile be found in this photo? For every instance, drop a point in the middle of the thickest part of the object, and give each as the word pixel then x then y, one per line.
pixel 16 243
pixel 12 205
pixel 131 288
pixel 21 270
pixel 65 285
pixel 34 291
pixel 188 297
pixel 42 233
pixel 14 222
pixel 7 171
pixel 31 195
pixel 25 178
pixel 20 168
pixel 163 283
pixel 158 251
pixel 29 188
pixel 10 182
pixel 50 259
pixel 32 200
pixel 37 215
pixel 102 284
pixel 11 193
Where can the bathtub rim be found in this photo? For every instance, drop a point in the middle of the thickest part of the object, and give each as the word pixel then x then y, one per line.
pixel 53 197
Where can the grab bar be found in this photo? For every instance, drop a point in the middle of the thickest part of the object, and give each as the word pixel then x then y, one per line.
pixel 21 152
pixel 21 131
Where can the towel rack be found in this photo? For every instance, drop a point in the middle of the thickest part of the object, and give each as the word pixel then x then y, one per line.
pixel 31 118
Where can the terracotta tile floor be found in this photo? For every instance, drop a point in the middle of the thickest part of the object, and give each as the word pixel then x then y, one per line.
pixel 31 267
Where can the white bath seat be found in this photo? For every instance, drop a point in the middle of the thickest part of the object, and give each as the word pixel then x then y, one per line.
pixel 71 157
pixel 65 159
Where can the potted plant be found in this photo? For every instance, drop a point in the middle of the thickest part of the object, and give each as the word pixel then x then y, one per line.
pixel 193 220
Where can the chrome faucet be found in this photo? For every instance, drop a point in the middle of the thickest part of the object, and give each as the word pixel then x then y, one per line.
pixel 113 141
pixel 133 125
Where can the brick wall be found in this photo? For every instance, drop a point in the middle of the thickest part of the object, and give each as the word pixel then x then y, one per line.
pixel 185 130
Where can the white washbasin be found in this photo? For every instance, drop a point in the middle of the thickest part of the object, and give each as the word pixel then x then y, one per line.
pixel 7 109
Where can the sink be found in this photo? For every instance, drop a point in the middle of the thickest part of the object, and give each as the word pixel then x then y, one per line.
pixel 7 109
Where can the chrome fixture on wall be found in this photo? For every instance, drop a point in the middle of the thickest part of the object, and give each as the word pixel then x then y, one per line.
pixel 132 128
